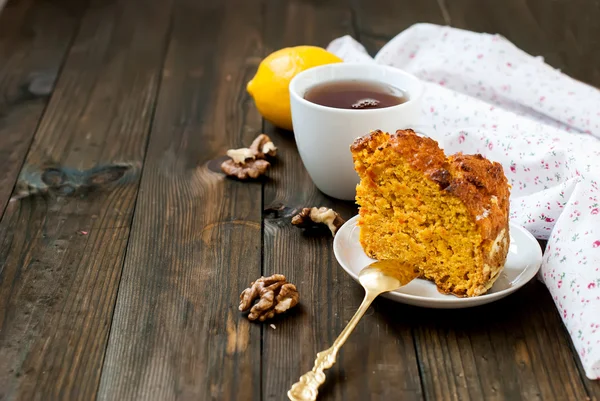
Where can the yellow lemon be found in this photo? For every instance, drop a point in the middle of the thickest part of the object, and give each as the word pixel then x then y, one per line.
pixel 269 86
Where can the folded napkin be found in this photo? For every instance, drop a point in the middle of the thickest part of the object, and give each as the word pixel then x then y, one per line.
pixel 484 95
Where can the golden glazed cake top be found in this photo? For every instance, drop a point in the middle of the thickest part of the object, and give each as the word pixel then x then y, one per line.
pixel 478 182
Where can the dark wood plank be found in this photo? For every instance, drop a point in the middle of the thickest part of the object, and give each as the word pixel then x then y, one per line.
pixel 377 21
pixel 515 349
pixel 379 352
pixel 499 351
pixel 62 256
pixel 195 243
pixel 564 32
pixel 34 39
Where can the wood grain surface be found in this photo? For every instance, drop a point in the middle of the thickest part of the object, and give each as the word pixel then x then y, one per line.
pixel 34 40
pixel 195 241
pixel 130 291
pixel 62 256
pixel 498 351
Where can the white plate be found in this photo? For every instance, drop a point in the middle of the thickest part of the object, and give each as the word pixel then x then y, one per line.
pixel 523 262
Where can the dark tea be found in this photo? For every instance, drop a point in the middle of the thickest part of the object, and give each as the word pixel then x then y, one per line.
pixel 356 94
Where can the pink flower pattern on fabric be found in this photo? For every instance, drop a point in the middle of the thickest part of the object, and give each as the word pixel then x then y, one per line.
pixel 484 95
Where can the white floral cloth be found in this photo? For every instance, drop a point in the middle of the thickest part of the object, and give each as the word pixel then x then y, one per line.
pixel 484 95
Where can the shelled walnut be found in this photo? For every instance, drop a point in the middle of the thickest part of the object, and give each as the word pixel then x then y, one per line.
pixel 250 162
pixel 275 295
pixel 309 217
pixel 249 169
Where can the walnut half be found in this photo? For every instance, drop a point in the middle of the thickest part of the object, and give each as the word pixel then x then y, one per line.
pixel 250 169
pixel 250 162
pixel 309 217
pixel 275 295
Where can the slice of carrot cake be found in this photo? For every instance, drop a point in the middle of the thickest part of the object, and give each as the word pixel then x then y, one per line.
pixel 446 215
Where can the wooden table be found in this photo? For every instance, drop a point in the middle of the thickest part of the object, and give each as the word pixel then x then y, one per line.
pixel 131 293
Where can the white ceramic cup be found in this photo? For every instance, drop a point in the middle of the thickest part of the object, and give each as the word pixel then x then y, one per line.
pixel 324 134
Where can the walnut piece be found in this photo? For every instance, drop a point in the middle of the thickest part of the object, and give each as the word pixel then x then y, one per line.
pixel 262 146
pixel 239 156
pixel 309 217
pixel 250 162
pixel 250 169
pixel 275 295
pixel 269 149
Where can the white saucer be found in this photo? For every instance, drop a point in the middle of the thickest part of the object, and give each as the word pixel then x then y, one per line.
pixel 523 262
